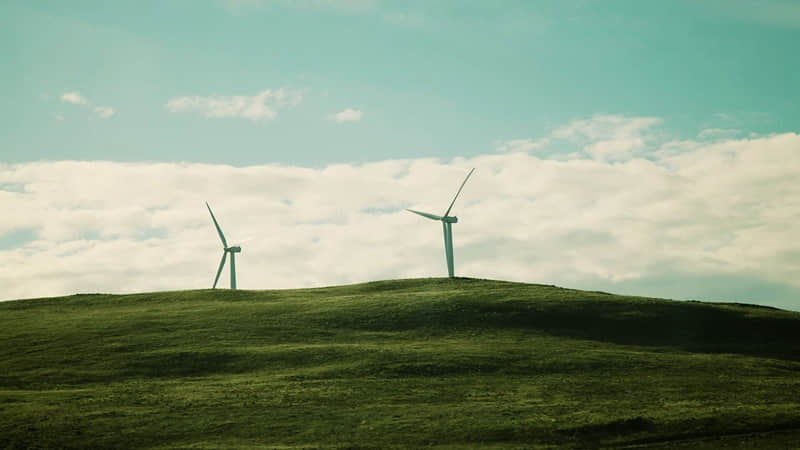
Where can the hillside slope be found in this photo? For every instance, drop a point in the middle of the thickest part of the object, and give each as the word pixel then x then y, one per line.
pixel 452 363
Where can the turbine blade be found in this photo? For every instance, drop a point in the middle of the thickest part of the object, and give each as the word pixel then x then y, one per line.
pixel 219 271
pixel 459 191
pixel 429 216
pixel 219 230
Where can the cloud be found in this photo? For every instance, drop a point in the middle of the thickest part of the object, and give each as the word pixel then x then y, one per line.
pixel 103 111
pixel 349 6
pixel 608 137
pixel 601 138
pixel 341 6
pixel 75 98
pixel 404 18
pixel 718 133
pixel 348 115
pixel 716 211
pixel 521 145
pixel 777 13
pixel 261 106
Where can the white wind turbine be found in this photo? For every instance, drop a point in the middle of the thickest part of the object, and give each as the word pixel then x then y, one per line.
pixel 447 222
pixel 233 250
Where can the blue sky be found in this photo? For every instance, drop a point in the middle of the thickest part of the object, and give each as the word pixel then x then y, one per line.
pixel 432 78
pixel 592 90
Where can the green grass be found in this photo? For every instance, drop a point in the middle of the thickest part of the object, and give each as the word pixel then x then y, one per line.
pixel 406 363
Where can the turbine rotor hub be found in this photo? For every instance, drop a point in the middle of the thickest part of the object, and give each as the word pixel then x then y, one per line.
pixel 450 219
pixel 235 249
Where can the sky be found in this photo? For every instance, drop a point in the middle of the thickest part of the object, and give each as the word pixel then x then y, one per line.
pixel 646 148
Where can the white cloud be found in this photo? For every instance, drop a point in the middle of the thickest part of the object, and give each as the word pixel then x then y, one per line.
pixel 343 6
pixel 262 106
pixel 521 145
pixel 602 138
pixel 718 133
pixel 779 13
pixel 347 115
pixel 349 6
pixel 609 137
pixel 103 111
pixel 75 98
pixel 404 18
pixel 720 210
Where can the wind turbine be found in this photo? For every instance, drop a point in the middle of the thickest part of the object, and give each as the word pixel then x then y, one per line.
pixel 447 223
pixel 233 250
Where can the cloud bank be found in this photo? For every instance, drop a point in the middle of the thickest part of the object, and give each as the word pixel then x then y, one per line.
pixel 690 219
pixel 261 106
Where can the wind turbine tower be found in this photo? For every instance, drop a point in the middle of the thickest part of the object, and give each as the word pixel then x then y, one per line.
pixel 447 227
pixel 233 250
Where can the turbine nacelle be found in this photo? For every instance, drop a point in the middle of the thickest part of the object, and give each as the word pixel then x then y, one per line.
pixel 450 219
pixel 235 249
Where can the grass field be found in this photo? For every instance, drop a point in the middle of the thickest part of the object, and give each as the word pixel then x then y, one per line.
pixel 406 363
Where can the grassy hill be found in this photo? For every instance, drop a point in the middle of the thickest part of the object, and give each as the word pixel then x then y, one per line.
pixel 451 363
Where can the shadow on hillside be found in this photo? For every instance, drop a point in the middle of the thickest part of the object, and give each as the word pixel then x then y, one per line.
pixel 689 326
pixel 183 364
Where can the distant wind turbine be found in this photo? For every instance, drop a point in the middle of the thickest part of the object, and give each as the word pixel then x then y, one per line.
pixel 233 250
pixel 447 222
